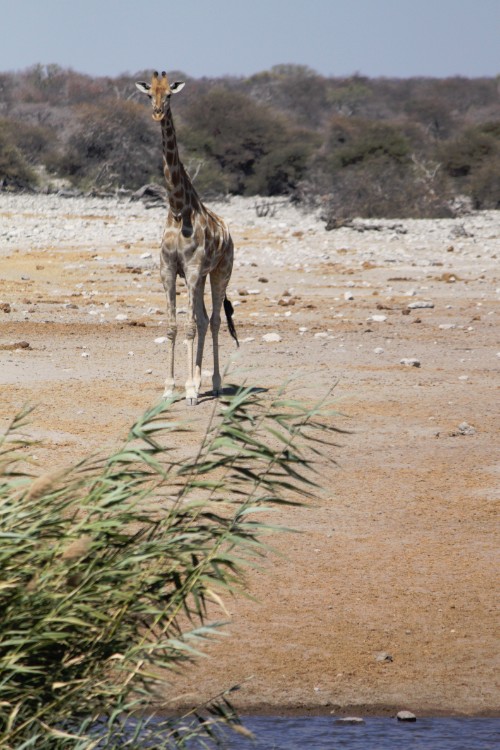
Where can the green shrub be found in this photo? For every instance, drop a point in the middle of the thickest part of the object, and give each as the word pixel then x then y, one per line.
pixel 15 172
pixel 107 570
pixel 472 161
pixel 114 145
pixel 254 148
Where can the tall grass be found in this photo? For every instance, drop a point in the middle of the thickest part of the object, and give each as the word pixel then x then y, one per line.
pixel 111 571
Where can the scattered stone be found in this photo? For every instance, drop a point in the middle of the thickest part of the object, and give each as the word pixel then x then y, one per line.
pixel 121 316
pixel 321 335
pixel 85 354
pixel 161 340
pixel 263 280
pixel 378 318
pixel 271 337
pixel 447 326
pixel 383 656
pixel 5 307
pixel 410 362
pixel 144 256
pixel 15 346
pixel 422 305
pixel 406 716
pixel 348 296
pixel 350 720
pixel 378 350
pixel 466 429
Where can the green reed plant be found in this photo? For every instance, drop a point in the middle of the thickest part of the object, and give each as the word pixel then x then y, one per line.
pixel 110 571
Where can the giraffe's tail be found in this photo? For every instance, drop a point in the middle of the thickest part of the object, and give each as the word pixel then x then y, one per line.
pixel 229 310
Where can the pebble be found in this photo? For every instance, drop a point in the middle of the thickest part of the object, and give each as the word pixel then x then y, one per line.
pixel 378 318
pixel 466 429
pixel 161 340
pixel 321 335
pixel 348 296
pixel 420 305
pixel 410 362
pixel 350 720
pixel 383 656
pixel 271 337
pixel 406 716
pixel 121 316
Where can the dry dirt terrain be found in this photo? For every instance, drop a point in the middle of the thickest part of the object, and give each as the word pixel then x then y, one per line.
pixel 387 599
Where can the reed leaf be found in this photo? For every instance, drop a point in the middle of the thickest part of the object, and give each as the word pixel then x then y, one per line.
pixel 111 570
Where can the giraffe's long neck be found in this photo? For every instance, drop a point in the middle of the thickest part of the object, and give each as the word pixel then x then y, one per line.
pixel 182 196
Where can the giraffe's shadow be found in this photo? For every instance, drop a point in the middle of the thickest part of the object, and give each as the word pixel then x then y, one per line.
pixel 230 389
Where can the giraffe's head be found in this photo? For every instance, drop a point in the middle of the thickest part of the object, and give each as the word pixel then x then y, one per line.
pixel 159 91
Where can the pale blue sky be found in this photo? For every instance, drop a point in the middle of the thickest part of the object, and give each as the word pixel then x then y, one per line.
pixel 393 38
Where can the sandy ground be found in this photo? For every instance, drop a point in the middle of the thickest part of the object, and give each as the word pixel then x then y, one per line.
pixel 398 556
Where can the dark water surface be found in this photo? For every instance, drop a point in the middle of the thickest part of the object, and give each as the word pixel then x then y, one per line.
pixel 321 733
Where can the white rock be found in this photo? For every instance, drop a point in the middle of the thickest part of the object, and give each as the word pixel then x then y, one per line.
pixel 410 362
pixel 378 350
pixel 378 318
pixel 271 337
pixel 348 296
pixel 321 335
pixel 121 316
pixel 422 305
pixel 161 340
pixel 406 716
pixel 447 326
pixel 85 354
pixel 146 255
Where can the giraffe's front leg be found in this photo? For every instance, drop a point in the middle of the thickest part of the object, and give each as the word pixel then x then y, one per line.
pixel 168 277
pixel 191 387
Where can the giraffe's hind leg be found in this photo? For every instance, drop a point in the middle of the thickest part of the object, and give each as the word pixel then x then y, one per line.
pixel 196 322
pixel 218 283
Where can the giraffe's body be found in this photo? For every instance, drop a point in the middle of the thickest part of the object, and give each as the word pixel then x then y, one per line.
pixel 196 243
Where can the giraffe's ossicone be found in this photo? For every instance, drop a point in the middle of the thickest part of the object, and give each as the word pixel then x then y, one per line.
pixel 196 243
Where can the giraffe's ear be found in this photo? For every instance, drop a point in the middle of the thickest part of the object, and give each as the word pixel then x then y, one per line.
pixel 143 86
pixel 177 86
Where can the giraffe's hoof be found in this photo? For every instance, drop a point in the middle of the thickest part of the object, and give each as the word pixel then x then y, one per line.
pixel 191 400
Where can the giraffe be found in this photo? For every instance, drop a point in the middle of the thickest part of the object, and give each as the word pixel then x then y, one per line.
pixel 196 243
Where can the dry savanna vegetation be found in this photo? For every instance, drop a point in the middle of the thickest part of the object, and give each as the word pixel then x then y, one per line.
pixel 360 147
